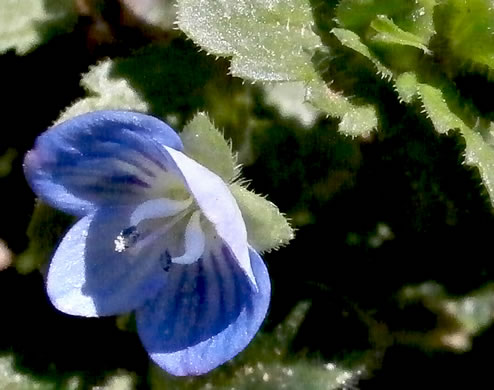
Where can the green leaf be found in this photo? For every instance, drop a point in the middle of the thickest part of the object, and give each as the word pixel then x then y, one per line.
pixel 355 120
pixel 270 41
pixel 105 92
pixel 25 24
pixel 437 109
pixel 479 151
pixel 415 17
pixel 388 32
pixel 267 40
pixel 204 143
pixel 44 231
pixel 406 86
pixel 479 145
pixel 350 39
pixel 267 228
pixel 468 26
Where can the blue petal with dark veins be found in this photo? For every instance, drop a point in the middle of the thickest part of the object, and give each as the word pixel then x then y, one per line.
pixel 206 314
pixel 103 158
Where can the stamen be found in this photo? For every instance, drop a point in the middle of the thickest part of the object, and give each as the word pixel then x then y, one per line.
pixel 158 208
pixel 195 241
pixel 126 239
pixel 157 233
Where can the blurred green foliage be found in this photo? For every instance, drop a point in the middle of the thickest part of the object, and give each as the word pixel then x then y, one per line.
pixel 369 123
pixel 25 24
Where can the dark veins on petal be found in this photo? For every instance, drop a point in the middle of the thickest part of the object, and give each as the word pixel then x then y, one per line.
pixel 207 297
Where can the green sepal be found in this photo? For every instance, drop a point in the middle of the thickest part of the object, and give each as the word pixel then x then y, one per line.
pixel 267 227
pixel 204 143
pixel 44 231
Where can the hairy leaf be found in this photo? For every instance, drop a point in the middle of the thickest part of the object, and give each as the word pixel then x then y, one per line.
pixel 269 40
pixel 414 17
pixel 355 120
pixel 388 32
pixel 406 86
pixel 479 151
pixel 437 109
pixel 350 39
pixel 479 145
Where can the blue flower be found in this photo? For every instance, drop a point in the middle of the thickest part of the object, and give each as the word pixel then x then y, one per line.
pixel 159 234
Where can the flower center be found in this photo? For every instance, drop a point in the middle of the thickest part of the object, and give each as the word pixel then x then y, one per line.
pixel 152 219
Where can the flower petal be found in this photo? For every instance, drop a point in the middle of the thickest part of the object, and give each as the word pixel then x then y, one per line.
pixel 206 314
pixel 88 277
pixel 218 205
pixel 195 241
pixel 99 158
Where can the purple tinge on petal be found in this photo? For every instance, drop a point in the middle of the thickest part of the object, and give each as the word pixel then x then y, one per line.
pixel 205 315
pixel 218 205
pixel 87 277
pixel 98 159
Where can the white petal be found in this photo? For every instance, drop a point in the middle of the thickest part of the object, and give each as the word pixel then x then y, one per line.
pixel 195 241
pixel 158 208
pixel 218 205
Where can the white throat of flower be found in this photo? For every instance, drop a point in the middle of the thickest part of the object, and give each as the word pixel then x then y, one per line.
pixel 133 240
